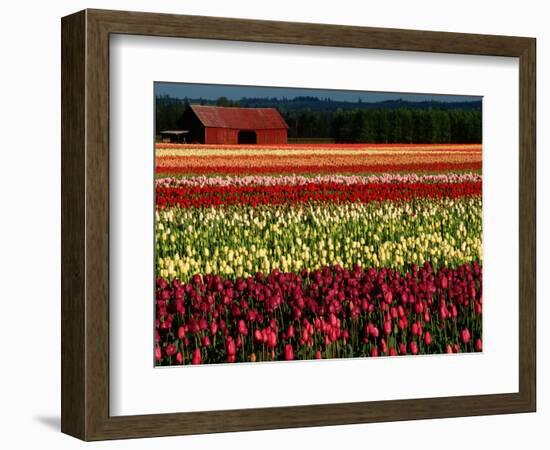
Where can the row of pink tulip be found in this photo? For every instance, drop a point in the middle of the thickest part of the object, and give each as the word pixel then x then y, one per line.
pixel 328 313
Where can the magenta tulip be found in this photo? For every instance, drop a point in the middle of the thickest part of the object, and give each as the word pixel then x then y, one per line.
pixel 427 338
pixel 290 331
pixel 242 327
pixel 170 349
pixel 478 345
pixel 289 352
pixel 213 328
pixel 271 340
pixel 197 357
pixel 158 353
pixel 465 335
pixel 231 348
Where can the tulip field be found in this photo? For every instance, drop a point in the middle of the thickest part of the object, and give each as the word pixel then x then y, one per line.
pixel 316 251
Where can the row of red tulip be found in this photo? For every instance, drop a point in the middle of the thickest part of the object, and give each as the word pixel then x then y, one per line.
pixel 328 313
pixel 319 169
pixel 206 196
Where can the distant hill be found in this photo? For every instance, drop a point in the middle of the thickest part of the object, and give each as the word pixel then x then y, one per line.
pixel 316 104
pixel 319 104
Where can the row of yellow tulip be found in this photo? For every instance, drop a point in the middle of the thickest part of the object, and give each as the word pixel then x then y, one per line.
pixel 239 241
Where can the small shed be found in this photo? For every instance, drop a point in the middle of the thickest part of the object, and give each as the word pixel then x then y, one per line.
pixel 177 136
pixel 230 125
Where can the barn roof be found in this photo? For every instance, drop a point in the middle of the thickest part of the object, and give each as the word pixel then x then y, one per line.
pixel 241 118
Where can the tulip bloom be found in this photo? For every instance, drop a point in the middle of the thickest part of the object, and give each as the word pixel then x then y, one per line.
pixel 443 312
pixel 305 334
pixel 401 323
pixel 478 345
pixel 213 328
pixel 427 338
pixel 478 308
pixel 271 340
pixel 197 357
pixel 289 352
pixel 465 335
pixel 231 348
pixel 242 327
pixel 400 311
pixel 170 349
pixel 158 353
pixel 454 311
pixel 290 331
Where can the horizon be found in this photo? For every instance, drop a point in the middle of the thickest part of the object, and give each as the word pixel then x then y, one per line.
pixel 212 92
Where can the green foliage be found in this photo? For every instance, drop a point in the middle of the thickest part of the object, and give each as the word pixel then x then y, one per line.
pixel 428 126
pixel 224 101
pixel 168 112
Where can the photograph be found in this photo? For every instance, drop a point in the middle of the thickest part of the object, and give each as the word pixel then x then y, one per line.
pixel 304 224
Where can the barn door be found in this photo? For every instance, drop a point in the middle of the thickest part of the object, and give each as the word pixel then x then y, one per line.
pixel 247 137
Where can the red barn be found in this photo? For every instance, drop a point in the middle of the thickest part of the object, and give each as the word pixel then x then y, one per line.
pixel 224 125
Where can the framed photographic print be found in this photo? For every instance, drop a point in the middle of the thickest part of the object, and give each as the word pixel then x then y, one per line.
pixel 285 225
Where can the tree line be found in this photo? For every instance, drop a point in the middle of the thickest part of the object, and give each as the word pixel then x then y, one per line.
pixel 388 126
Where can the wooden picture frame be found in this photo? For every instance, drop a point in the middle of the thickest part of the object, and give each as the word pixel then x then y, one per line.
pixel 85 224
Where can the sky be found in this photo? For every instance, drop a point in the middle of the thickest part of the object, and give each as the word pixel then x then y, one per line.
pixel 234 92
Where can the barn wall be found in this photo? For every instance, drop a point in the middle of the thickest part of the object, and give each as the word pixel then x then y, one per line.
pixel 221 136
pixel 191 122
pixel 276 136
pixel 231 136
